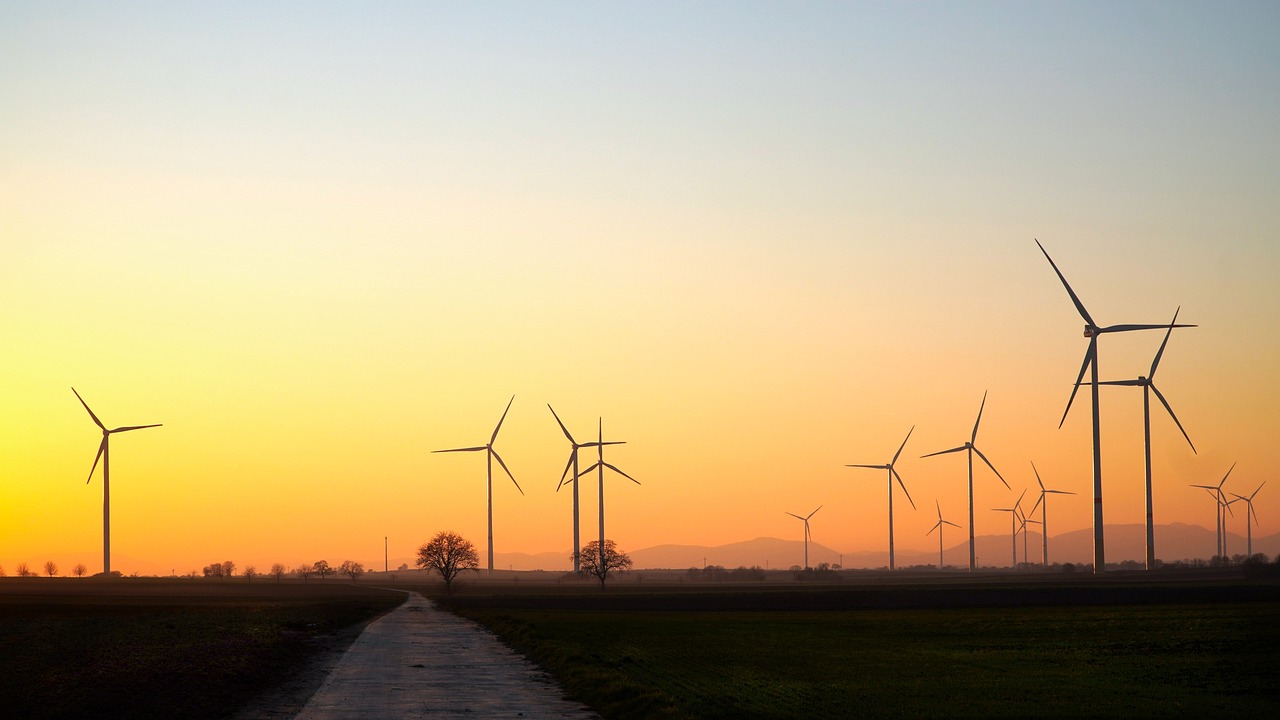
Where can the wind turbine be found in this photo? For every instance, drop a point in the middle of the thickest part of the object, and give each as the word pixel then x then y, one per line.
pixel 807 535
pixel 892 474
pixel 1250 516
pixel 1013 524
pixel 1043 504
pixel 572 464
pixel 490 456
pixel 1148 386
pixel 1220 504
pixel 1023 521
pixel 599 466
pixel 971 449
pixel 1092 331
pixel 104 454
pixel 938 527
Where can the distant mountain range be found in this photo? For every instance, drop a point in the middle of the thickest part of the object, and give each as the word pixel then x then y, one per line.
pixel 1176 541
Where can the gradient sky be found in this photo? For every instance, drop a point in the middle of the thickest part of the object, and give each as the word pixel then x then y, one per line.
pixel 318 241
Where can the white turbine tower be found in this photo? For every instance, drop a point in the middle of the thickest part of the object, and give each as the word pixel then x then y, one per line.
pixel 104 454
pixel 572 464
pixel 1221 507
pixel 807 534
pixel 971 449
pixel 1092 331
pixel 892 473
pixel 1148 385
pixel 490 456
pixel 938 527
pixel 1250 516
pixel 1043 504
pixel 599 467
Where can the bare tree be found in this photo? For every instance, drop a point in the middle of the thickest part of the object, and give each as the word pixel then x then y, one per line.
pixel 23 570
pixel 322 569
pixel 50 568
pixel 248 572
pixel 278 570
pixel 305 571
pixel 599 563
pixel 228 569
pixel 2 572
pixel 212 570
pixel 351 568
pixel 79 570
pixel 448 554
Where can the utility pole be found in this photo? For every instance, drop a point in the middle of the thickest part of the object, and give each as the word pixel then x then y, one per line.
pixel 386 565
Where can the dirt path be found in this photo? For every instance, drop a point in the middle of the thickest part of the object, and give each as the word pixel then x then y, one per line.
pixel 420 662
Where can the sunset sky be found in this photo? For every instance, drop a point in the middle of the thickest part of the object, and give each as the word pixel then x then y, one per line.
pixel 763 240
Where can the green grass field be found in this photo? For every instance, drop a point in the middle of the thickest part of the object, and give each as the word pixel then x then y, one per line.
pixel 1142 660
pixel 162 649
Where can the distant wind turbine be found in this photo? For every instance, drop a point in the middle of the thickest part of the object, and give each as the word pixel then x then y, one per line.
pixel 599 467
pixel 572 464
pixel 1093 331
pixel 892 474
pixel 970 448
pixel 1221 506
pixel 1013 524
pixel 807 534
pixel 1043 504
pixel 490 456
pixel 1023 521
pixel 938 527
pixel 1148 385
pixel 104 454
pixel 1250 516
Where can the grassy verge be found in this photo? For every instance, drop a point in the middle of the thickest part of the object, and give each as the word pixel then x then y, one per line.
pixel 82 654
pixel 1099 661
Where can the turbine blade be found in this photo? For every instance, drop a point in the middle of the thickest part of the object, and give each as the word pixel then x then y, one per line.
pixel 948 522
pixel 793 515
pixel 1088 358
pixel 904 444
pixel 944 452
pixel 1156 362
pixel 563 429
pixel 1038 501
pixel 135 427
pixel 1175 417
pixel 1125 383
pixel 102 449
pixel 993 467
pixel 903 486
pixel 498 457
pixel 1133 327
pixel 498 427
pixel 1224 477
pixel 815 512
pixel 1037 472
pixel 567 467
pixel 96 421
pixel 581 473
pixel 935 504
pixel 615 469
pixel 873 467
pixel 974 437
pixel 1074 299
pixel 466 449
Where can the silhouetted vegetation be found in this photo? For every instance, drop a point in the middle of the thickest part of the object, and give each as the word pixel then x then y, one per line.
pixel 448 554
pixel 278 571
pixel 599 561
pixel 351 569
pixel 322 568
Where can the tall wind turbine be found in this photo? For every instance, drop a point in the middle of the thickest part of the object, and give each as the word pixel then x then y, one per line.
pixel 892 474
pixel 104 454
pixel 1148 385
pixel 807 535
pixel 599 467
pixel 1220 506
pixel 1250 516
pixel 1023 521
pixel 572 464
pixel 1043 504
pixel 1013 524
pixel 938 527
pixel 490 456
pixel 1092 331
pixel 971 449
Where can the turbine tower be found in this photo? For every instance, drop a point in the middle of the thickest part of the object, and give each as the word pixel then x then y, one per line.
pixel 1220 505
pixel 1013 525
pixel 599 467
pixel 970 448
pixel 938 527
pixel 572 464
pixel 1092 331
pixel 1148 385
pixel 1043 504
pixel 807 535
pixel 104 454
pixel 892 474
pixel 1250 516
pixel 490 456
